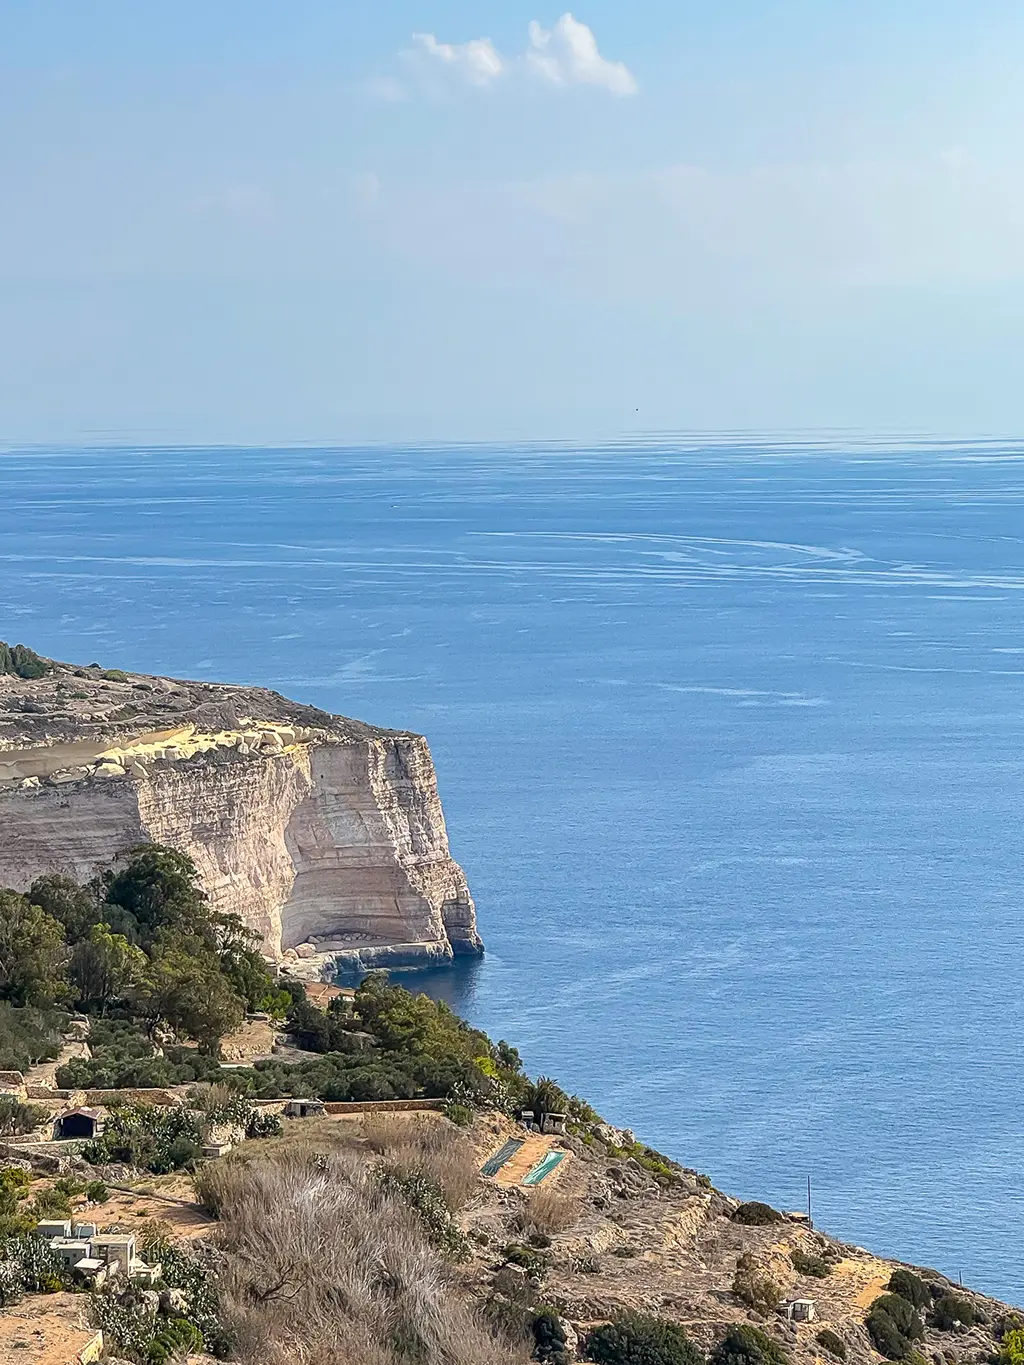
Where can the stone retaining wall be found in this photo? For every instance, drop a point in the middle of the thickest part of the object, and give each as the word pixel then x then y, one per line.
pixel 148 1096
pixel 359 1106
pixel 381 1106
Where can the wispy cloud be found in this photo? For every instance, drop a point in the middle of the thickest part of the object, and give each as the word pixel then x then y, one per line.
pixel 477 62
pixel 568 55
pixel 564 56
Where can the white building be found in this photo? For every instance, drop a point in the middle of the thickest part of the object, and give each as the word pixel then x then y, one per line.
pixel 97 1256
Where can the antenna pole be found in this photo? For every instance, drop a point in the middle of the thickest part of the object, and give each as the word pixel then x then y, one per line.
pixel 810 1220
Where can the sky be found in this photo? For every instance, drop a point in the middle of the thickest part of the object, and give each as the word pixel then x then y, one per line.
pixel 262 221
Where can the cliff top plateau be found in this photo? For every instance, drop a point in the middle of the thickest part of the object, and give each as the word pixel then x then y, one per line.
pixel 325 835
pixel 44 702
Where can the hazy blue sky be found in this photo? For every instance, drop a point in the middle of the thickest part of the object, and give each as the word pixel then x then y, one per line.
pixel 262 220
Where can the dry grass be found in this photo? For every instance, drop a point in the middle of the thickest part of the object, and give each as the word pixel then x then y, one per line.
pixel 210 1096
pixel 432 1148
pixel 318 1255
pixel 549 1211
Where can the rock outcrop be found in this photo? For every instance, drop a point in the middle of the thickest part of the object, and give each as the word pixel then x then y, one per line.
pixel 324 834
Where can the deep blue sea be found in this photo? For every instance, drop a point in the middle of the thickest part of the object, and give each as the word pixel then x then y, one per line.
pixel 731 744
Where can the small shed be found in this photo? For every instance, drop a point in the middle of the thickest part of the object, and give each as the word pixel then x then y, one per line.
pixel 53 1227
pixel 553 1123
pixel 801 1310
pixel 305 1109
pixel 80 1123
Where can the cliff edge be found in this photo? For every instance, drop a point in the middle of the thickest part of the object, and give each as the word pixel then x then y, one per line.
pixel 324 834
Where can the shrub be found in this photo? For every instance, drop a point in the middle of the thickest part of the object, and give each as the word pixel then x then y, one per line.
pixel 806 1263
pixel 1008 1322
pixel 893 1325
pixel 15 1181
pixel 638 1340
pixel 96 1192
pixel 833 1343
pixel 549 1338
pixel 29 1035
pixel 951 1310
pixel 754 1288
pixel 902 1314
pixel 910 1287
pixel 459 1114
pixel 746 1345
pixel 262 1125
pixel 160 1140
pixel 52 1203
pixel 528 1258
pixel 756 1215
pixel 126 1326
pixel 14 1222
pixel 1012 1347
pixel 426 1198
pixel 17 1118
pixel 178 1339
pixel 11 1291
pixel 180 1269
pixel 22 661
pixel 32 1265
pixel 889 1341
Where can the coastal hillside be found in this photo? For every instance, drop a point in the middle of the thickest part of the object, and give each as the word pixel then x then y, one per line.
pixel 498 1223
pixel 324 835
pixel 204 1157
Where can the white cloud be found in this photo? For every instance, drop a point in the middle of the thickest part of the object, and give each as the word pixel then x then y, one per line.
pixel 477 62
pixel 564 56
pixel 568 55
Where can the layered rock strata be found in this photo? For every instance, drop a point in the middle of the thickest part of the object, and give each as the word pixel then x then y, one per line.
pixel 324 834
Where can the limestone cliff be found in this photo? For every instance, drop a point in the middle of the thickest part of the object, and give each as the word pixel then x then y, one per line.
pixel 326 835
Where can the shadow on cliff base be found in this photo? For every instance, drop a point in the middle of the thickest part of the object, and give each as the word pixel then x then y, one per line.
pixel 456 983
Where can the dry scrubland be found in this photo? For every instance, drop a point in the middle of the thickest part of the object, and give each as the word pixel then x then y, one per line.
pixel 334 1233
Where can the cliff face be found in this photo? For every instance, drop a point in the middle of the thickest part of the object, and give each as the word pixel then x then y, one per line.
pixel 324 834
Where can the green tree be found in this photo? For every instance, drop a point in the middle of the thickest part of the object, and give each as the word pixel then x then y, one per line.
pixel 29 1035
pixel 184 987
pixel 159 889
pixel 77 907
pixel 33 954
pixel 105 966
pixel 240 960
pixel 638 1340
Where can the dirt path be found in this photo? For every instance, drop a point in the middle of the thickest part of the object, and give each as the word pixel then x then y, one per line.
pixel 45 1073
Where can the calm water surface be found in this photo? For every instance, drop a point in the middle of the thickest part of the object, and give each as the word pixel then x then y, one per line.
pixel 730 744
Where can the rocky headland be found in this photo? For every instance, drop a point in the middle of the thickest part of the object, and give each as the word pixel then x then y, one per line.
pixel 326 835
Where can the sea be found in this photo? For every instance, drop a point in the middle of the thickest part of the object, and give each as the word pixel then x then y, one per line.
pixel 730 739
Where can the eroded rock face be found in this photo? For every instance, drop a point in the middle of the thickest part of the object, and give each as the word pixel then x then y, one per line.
pixel 326 835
